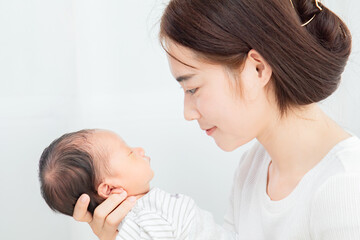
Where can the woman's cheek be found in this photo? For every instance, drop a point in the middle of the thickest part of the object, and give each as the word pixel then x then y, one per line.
pixel 205 105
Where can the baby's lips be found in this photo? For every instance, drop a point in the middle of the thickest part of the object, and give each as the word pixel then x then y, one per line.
pixel 147 158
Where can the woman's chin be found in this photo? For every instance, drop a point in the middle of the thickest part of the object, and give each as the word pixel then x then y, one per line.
pixel 229 146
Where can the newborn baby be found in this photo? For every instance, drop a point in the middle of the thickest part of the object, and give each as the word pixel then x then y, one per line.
pixel 99 163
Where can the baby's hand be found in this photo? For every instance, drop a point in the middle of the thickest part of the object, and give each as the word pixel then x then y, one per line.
pixel 107 216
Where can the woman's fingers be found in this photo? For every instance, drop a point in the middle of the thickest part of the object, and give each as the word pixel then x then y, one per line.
pixel 101 215
pixel 114 218
pixel 81 213
pixel 107 216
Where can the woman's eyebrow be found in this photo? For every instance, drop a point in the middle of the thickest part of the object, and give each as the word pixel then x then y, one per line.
pixel 184 77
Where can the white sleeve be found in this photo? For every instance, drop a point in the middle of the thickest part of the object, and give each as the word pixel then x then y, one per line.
pixel 205 228
pixel 229 216
pixel 335 213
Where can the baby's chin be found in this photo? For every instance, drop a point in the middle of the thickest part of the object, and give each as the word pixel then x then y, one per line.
pixel 139 191
pixel 138 194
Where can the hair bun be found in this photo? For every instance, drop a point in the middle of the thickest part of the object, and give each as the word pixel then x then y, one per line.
pixel 326 27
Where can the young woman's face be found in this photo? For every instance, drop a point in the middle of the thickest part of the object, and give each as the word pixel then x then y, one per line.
pixel 212 98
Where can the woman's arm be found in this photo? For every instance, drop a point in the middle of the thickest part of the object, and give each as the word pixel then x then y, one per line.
pixel 107 216
pixel 205 227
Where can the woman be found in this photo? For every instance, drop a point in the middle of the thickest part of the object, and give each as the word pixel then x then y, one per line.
pixel 256 69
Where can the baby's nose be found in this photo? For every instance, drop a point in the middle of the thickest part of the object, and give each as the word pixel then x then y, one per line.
pixel 140 151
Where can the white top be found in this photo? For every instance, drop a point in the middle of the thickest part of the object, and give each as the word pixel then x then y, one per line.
pixel 159 215
pixel 325 204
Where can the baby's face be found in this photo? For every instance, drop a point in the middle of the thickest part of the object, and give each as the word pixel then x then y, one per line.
pixel 128 167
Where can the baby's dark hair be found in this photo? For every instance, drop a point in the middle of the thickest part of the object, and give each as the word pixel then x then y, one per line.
pixel 67 170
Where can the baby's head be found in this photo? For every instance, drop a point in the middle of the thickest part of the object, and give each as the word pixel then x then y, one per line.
pixel 95 162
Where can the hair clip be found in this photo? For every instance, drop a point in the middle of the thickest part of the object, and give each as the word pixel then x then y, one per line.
pixel 317 5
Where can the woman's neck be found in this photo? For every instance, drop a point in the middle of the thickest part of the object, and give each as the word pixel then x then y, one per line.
pixel 298 141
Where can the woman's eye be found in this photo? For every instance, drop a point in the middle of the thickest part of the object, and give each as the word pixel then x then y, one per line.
pixel 191 91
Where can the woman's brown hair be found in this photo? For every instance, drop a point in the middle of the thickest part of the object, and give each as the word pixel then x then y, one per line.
pixel 307 62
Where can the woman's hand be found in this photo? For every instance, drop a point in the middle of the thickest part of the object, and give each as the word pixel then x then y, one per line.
pixel 107 216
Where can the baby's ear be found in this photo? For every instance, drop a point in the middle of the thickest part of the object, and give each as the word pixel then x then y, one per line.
pixel 104 190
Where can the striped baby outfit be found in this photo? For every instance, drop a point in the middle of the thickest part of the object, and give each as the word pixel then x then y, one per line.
pixel 159 215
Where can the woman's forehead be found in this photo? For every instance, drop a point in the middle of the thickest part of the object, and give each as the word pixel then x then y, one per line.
pixel 183 60
pixel 182 55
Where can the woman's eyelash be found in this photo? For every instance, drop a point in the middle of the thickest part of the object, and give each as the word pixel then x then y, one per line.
pixel 192 91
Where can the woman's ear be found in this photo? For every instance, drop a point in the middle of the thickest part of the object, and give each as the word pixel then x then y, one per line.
pixel 261 66
pixel 104 190
pixel 254 76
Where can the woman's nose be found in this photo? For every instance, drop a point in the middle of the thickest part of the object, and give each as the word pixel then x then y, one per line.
pixel 190 111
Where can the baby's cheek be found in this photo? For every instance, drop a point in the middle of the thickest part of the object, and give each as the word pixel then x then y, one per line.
pixel 117 191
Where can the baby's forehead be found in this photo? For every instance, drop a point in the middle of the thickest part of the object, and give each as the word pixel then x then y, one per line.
pixel 108 141
pixel 106 146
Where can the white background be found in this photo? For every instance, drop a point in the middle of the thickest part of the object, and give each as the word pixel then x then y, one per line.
pixel 67 65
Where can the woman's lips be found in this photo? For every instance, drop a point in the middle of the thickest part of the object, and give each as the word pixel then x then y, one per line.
pixel 210 130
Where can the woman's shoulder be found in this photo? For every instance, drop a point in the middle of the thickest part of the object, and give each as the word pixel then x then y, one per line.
pixel 335 207
pixel 347 153
pixel 340 190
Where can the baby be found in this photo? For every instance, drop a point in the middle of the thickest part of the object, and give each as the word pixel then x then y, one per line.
pixel 99 163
